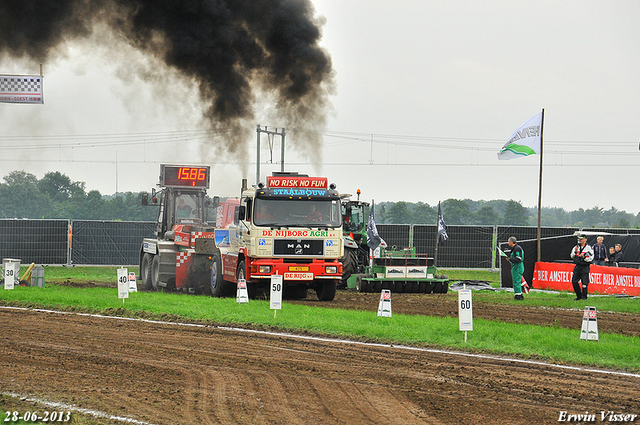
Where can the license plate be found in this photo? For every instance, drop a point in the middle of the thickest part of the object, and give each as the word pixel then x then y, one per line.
pixel 298 276
pixel 298 269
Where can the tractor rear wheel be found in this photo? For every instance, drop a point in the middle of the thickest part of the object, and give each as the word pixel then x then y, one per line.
pixel 349 265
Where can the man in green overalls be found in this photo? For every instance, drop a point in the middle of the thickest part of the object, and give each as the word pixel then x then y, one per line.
pixel 517 267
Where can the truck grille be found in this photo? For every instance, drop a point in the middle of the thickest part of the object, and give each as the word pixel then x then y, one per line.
pixel 306 248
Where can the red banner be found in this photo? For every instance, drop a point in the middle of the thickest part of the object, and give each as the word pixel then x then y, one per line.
pixel 603 280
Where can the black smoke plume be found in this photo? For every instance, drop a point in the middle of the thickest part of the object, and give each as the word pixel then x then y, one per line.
pixel 231 48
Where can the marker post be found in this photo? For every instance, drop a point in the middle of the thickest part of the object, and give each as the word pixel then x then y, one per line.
pixel 275 295
pixel 133 286
pixel 242 296
pixel 589 330
pixel 384 307
pixel 123 284
pixel 465 310
pixel 9 274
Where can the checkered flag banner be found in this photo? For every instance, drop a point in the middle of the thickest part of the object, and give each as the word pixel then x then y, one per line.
pixel 21 89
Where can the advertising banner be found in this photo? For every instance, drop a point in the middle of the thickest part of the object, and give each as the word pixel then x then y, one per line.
pixel 21 89
pixel 602 279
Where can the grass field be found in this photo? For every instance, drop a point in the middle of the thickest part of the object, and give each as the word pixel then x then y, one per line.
pixel 551 343
pixel 57 274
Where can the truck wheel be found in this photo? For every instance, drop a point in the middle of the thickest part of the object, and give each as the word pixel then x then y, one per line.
pixel 145 270
pixel 217 284
pixel 326 291
pixel 349 265
pixel 155 273
pixel 360 284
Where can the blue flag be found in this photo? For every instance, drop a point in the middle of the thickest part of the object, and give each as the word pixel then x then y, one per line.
pixel 373 238
pixel 442 227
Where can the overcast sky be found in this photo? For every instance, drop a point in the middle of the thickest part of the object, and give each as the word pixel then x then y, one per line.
pixel 427 93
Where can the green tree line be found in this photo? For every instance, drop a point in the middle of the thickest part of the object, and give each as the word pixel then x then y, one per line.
pixel 501 212
pixel 55 196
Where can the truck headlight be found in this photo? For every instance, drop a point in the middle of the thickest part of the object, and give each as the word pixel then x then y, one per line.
pixel 331 269
pixel 264 269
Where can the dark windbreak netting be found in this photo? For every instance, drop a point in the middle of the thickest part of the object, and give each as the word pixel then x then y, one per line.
pixel 109 242
pixel 34 241
pixel 523 233
pixel 118 242
pixel 395 235
pixel 467 246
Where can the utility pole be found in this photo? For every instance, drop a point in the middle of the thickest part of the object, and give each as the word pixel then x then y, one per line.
pixel 270 133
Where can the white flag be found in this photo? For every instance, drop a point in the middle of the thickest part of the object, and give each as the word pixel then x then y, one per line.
pixel 524 141
pixel 374 239
pixel 442 227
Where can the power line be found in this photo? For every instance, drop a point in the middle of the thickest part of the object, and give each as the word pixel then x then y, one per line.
pixel 342 138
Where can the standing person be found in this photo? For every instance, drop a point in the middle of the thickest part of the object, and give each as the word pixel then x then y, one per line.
pixel 517 267
pixel 582 255
pixel 599 252
pixel 610 256
pixel 617 256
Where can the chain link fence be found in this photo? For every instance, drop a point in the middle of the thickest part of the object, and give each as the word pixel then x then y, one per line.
pixel 117 243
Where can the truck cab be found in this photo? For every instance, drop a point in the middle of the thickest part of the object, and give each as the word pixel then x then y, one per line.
pixel 291 227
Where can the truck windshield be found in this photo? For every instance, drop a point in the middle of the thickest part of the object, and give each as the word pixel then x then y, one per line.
pixel 297 213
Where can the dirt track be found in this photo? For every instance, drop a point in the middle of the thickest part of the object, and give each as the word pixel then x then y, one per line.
pixel 170 374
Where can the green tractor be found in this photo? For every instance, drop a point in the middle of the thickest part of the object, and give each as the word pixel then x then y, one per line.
pixel 399 270
pixel 354 227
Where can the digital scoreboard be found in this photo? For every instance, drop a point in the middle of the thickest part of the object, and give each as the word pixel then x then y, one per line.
pixel 184 176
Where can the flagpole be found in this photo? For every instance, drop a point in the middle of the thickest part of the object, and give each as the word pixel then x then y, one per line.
pixel 540 187
pixel 435 256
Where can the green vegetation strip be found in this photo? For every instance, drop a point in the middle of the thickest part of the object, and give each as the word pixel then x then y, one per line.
pixel 530 341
